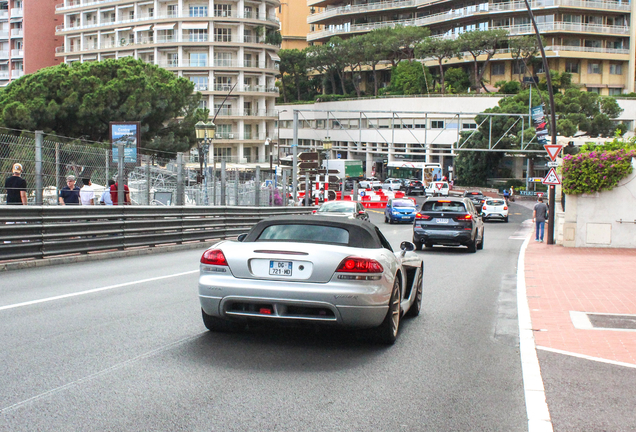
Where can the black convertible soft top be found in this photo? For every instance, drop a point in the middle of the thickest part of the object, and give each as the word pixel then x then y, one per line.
pixel 362 234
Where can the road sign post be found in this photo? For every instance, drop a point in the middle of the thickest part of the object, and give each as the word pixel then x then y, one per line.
pixel 552 179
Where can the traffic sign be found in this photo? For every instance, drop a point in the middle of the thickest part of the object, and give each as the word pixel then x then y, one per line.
pixel 552 164
pixel 552 178
pixel 308 165
pixel 311 156
pixel 553 150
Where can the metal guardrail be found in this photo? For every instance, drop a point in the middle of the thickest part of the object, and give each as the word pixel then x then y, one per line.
pixel 44 231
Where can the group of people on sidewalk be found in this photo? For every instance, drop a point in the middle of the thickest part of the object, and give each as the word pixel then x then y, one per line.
pixel 71 194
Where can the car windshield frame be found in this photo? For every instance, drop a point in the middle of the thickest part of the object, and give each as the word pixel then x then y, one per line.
pixel 444 206
pixel 337 207
pixel 305 233
pixel 403 203
pixel 496 202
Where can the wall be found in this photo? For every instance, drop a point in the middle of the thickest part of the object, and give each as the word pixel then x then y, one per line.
pixel 39 35
pixel 592 220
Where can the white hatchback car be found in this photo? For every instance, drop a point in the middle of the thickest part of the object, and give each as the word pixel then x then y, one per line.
pixel 495 209
pixel 437 188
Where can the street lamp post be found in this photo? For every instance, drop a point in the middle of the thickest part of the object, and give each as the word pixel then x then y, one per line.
pixel 326 145
pixel 205 133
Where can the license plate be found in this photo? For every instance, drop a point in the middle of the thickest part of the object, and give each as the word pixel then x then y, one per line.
pixel 280 268
pixel 441 221
pixel 406 217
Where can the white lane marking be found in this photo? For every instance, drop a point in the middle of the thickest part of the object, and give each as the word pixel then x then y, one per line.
pixel 121 365
pixel 536 405
pixel 106 288
pixel 580 320
pixel 587 357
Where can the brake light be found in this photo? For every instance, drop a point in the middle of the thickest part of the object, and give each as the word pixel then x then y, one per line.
pixel 465 217
pixel 359 265
pixel 214 257
pixel 484 207
pixel 313 211
pixel 444 201
pixel 422 216
pixel 505 207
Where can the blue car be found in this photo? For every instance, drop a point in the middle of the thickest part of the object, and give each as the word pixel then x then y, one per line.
pixel 400 210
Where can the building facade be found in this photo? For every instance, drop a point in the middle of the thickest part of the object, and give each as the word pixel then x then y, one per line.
pixel 293 27
pixel 593 40
pixel 27 37
pixel 221 46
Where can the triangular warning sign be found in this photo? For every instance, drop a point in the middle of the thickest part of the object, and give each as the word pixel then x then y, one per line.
pixel 552 178
pixel 553 150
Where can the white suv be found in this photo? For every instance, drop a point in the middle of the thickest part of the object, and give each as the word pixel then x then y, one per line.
pixel 437 188
pixel 495 209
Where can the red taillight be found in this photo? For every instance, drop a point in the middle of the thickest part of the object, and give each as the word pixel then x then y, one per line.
pixel 505 207
pixel 359 265
pixel 422 216
pixel 313 211
pixel 213 257
pixel 465 217
pixel 484 207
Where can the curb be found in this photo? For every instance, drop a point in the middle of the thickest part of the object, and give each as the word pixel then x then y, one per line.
pixel 98 256
pixel 536 406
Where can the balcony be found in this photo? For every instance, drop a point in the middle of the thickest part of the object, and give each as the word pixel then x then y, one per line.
pixel 224 135
pixel 4 55
pixel 4 14
pixel 587 49
pixel 17 12
pixel 17 32
pixel 358 9
pixel 16 74
pixel 15 53
pixel 4 34
pixel 4 75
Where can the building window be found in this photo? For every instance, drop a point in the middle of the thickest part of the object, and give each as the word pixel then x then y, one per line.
pixel 572 66
pixel 469 125
pixel 203 103
pixel 616 69
pixel 173 10
pixel 615 92
pixel 223 59
pixel 222 35
pixel 497 69
pixel 198 11
pixel 248 12
pixel 223 83
pixel 437 124
pixel 247 61
pixel 223 10
pixel 593 68
pixel 200 82
pixel 197 35
pixel 519 67
pixel 596 90
pixel 593 43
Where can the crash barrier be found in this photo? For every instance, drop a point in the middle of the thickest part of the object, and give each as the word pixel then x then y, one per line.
pixel 46 231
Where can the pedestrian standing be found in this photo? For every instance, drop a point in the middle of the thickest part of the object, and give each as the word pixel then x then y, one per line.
pixel 539 216
pixel 16 187
pixel 113 194
pixel 87 193
pixel 105 199
pixel 512 193
pixel 70 194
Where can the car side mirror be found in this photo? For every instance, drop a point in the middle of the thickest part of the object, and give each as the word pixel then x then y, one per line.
pixel 361 212
pixel 407 246
pixel 241 237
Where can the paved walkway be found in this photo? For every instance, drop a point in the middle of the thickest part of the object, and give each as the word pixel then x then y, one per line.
pixel 562 280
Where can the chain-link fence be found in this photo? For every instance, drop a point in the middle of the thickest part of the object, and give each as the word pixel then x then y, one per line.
pixel 47 160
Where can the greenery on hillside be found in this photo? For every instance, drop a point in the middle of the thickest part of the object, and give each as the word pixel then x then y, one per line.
pixel 81 99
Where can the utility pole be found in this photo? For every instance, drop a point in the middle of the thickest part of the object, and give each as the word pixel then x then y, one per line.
pixel 552 121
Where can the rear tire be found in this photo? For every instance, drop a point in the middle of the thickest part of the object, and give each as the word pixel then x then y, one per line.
pixel 417 304
pixel 472 246
pixel 418 245
pixel 480 246
pixel 387 332
pixel 216 324
pixel 506 219
pixel 428 245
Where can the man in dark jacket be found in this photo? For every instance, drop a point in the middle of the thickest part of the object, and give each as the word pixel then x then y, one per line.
pixel 70 194
pixel 16 187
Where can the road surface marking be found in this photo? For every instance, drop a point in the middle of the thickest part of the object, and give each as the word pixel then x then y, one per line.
pixel 536 405
pixel 80 293
pixel 103 372
pixel 587 357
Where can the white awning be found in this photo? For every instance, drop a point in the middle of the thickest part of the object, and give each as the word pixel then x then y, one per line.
pixel 4 62
pixel 107 9
pixel 89 58
pixel 123 29
pixel 143 28
pixel 164 26
pixel 274 56
pixel 194 25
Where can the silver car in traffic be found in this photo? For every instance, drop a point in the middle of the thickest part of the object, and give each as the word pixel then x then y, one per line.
pixel 327 270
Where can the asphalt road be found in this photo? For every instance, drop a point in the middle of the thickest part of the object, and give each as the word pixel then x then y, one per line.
pixel 118 345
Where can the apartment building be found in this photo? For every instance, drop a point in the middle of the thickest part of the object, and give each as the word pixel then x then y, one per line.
pixel 293 26
pixel 221 46
pixel 27 37
pixel 593 40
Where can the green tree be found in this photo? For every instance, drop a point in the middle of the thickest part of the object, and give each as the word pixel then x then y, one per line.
pixel 409 78
pixel 81 99
pixel 441 50
pixel 401 42
pixel 354 60
pixel 293 64
pixel 457 79
pixel 479 43
pixel 375 51
pixel 523 49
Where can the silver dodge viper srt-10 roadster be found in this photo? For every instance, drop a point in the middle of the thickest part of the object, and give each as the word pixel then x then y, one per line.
pixel 327 270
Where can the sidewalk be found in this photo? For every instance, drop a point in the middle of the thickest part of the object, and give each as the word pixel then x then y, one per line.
pixel 563 281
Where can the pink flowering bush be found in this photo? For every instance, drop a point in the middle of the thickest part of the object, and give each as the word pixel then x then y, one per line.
pixel 595 171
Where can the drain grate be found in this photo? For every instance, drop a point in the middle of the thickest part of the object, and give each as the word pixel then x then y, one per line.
pixel 622 322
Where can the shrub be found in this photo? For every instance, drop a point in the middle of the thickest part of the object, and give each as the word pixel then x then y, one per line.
pixel 595 171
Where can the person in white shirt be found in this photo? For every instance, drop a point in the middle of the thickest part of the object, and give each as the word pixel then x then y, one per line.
pixel 87 194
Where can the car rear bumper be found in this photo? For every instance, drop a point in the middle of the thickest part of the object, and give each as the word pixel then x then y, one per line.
pixel 446 237
pixel 501 216
pixel 356 305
